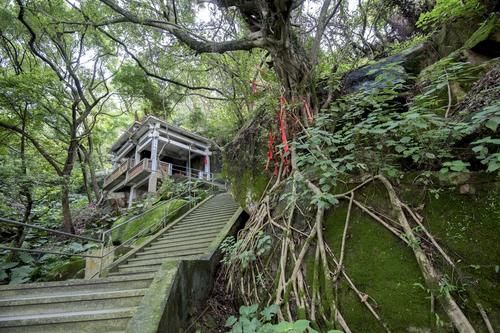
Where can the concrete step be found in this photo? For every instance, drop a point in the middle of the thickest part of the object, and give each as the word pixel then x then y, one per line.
pixel 170 247
pixel 191 224
pixel 133 271
pixel 29 305
pixel 164 243
pixel 141 262
pixel 75 286
pixel 137 269
pixel 95 321
pixel 199 231
pixel 162 254
pixel 169 239
pixel 203 212
pixel 211 224
pixel 205 220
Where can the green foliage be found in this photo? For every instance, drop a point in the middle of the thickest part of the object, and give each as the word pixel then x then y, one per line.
pixel 489 27
pixel 231 250
pixel 373 130
pixel 251 321
pixel 447 10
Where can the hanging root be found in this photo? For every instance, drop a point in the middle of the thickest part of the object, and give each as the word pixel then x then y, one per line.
pixel 316 300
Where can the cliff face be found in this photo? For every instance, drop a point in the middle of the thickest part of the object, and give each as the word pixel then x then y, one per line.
pixel 427 117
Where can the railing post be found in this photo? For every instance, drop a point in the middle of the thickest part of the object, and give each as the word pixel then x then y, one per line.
pixel 102 252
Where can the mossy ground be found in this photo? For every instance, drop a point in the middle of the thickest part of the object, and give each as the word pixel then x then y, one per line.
pixel 385 268
pixel 149 219
pixel 466 226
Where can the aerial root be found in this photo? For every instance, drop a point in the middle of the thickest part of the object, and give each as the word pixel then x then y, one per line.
pixel 315 300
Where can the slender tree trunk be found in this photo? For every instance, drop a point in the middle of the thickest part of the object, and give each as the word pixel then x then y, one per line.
pixel 81 159
pixel 25 188
pixel 66 209
pixel 90 161
pixel 66 178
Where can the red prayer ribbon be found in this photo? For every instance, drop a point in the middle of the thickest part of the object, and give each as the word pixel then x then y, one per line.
pixel 308 110
pixel 282 123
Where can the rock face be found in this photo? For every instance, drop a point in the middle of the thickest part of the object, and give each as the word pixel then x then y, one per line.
pixel 413 60
pixel 486 40
pixel 480 41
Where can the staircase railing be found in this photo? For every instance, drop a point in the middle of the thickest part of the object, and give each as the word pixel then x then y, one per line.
pixel 52 231
pixel 106 237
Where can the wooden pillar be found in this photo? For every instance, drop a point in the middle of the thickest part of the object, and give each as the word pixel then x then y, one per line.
pixel 137 156
pixel 207 166
pixel 153 179
pixel 132 196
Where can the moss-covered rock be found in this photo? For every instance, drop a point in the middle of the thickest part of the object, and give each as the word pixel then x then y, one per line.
pixel 249 187
pixel 170 209
pixel 486 39
pixel 383 267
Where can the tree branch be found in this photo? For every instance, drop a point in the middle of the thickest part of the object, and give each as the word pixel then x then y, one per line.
pixel 35 144
pixel 195 43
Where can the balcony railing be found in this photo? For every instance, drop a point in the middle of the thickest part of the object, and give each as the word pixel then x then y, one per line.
pixel 129 171
pixel 143 165
pixel 120 171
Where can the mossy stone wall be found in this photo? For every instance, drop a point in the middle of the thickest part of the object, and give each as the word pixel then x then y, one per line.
pixel 149 219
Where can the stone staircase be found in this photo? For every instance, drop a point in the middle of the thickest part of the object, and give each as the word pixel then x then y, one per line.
pixel 106 305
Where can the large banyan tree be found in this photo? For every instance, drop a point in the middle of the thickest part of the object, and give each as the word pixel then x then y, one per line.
pixel 291 35
pixel 274 26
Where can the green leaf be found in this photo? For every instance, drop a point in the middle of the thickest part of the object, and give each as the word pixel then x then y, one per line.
pixel 230 321
pixel 430 155
pixel 25 257
pixel 8 265
pixel 400 148
pixel 269 312
pixel 20 274
pixel 301 325
pixel 405 139
pixel 349 146
pixel 247 311
pixel 493 123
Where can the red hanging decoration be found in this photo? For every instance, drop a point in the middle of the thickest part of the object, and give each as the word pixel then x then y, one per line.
pixel 254 86
pixel 308 110
pixel 282 123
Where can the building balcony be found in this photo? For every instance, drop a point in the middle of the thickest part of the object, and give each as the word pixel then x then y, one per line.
pixel 118 175
pixel 129 174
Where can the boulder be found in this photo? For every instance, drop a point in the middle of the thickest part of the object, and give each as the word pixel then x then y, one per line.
pixel 486 40
pixel 413 60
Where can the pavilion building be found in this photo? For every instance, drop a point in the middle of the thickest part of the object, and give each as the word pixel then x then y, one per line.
pixel 152 150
